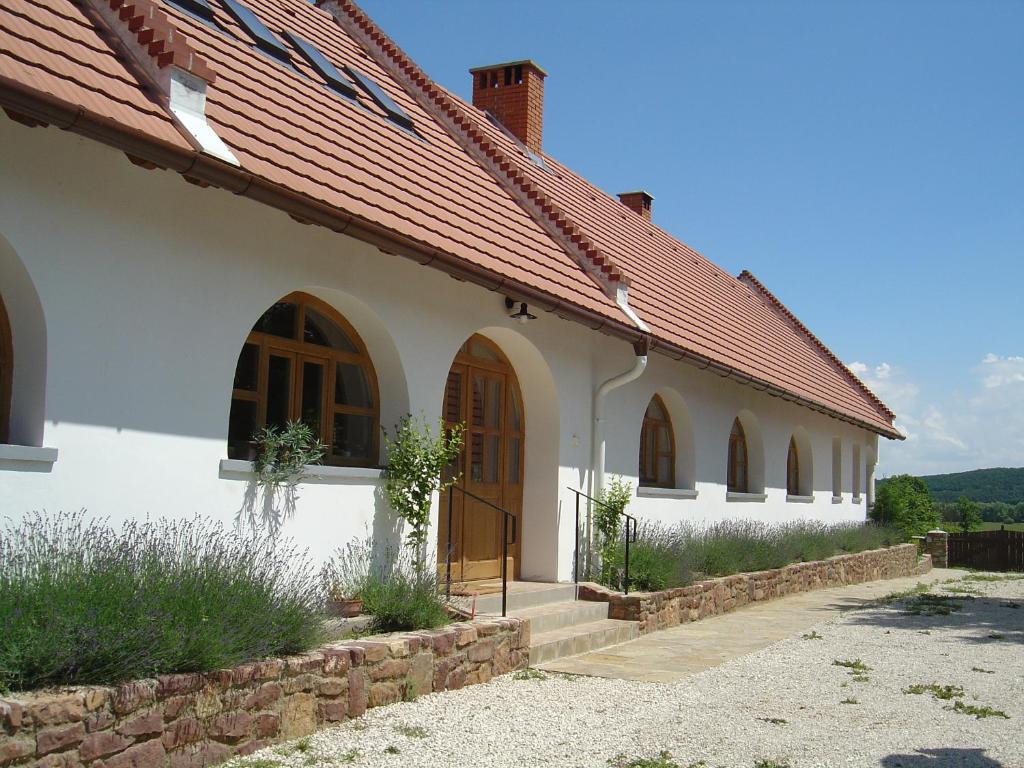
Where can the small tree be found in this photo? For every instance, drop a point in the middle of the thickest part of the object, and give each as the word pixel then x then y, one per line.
pixel 608 522
pixel 903 501
pixel 968 515
pixel 416 461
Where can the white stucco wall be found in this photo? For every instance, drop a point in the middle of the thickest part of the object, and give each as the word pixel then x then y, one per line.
pixel 131 292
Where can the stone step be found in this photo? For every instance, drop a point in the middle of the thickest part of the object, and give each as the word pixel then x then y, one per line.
pixel 580 638
pixel 552 616
pixel 525 594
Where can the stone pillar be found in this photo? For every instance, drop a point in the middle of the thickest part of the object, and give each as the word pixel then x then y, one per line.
pixel 935 544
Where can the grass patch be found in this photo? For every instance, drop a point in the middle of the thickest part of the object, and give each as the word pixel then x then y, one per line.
pixel 391 749
pixel 773 720
pixel 813 635
pixel 861 679
pixel 850 700
pixel 983 671
pixel 413 731
pixel 84 603
pixel 995 636
pixel 993 577
pixel 529 674
pixel 349 757
pixel 663 760
pixel 934 605
pixel 856 665
pixel 918 589
pixel 770 764
pixel 944 692
pixel 962 590
pixel 979 713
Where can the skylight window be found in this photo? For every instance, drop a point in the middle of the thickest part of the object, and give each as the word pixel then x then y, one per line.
pixel 374 91
pixel 265 40
pixel 335 80
pixel 198 8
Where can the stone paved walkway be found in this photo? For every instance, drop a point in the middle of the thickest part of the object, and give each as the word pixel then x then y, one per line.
pixel 673 654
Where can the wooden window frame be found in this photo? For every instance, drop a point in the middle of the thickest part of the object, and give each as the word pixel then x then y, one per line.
pixel 793 468
pixel 6 373
pixel 738 455
pixel 652 423
pixel 301 352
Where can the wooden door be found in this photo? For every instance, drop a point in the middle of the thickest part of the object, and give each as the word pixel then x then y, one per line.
pixel 482 393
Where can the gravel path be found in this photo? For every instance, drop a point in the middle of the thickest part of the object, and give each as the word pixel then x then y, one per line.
pixel 786 703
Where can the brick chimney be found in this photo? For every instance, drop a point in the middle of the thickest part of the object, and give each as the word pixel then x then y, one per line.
pixel 513 93
pixel 638 202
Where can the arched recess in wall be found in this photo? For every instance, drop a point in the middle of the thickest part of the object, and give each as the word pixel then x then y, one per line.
pixel 800 483
pixel 538 532
pixel 745 430
pixel 322 356
pixel 870 460
pixel 680 428
pixel 25 353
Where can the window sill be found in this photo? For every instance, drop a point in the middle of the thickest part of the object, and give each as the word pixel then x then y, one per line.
pixel 27 458
pixel 745 497
pixel 837 499
pixel 238 469
pixel 790 499
pixel 656 492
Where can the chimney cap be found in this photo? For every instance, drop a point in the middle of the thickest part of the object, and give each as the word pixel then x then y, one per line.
pixel 643 193
pixel 521 62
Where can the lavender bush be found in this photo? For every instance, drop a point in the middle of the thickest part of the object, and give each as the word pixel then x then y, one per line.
pixel 84 603
pixel 670 556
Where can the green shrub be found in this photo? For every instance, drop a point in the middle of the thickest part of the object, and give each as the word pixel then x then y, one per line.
pixel 394 590
pixel 84 603
pixel 903 501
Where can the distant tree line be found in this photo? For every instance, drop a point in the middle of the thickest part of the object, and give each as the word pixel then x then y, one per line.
pixel 990 512
pixel 905 501
pixel 985 486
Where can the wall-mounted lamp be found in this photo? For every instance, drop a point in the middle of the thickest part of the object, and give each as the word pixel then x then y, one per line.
pixel 523 315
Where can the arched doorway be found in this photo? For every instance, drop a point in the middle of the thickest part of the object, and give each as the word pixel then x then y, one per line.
pixel 482 392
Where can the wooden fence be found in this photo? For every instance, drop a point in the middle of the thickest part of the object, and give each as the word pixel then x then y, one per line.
pixel 987 550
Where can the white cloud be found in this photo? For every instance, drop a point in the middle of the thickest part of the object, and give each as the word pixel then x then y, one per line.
pixel 949 432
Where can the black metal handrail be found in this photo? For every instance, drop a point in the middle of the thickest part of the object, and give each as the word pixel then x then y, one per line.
pixel 630 536
pixel 505 517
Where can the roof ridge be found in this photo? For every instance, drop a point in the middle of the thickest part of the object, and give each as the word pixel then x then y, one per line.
pixel 608 275
pixel 747 277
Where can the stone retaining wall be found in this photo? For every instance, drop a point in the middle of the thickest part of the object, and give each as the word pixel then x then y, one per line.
pixel 660 610
pixel 194 720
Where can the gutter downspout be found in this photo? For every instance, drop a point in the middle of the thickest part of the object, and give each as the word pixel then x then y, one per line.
pixel 597 448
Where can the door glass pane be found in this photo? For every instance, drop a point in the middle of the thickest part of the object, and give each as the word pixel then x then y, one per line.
pixel 664 441
pixel 649 456
pixel 476 457
pixel 279 320
pixel 492 457
pixel 248 369
pixel 495 402
pixel 350 436
pixel 351 386
pixel 483 351
pixel 279 391
pixel 321 330
pixel 453 398
pixel 514 468
pixel 478 401
pixel 313 395
pixel 517 411
pixel 241 426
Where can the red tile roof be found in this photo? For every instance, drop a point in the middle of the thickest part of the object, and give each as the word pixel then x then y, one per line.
pixel 460 193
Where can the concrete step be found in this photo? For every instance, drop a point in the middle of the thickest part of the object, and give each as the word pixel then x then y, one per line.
pixel 580 638
pixel 526 594
pixel 547 618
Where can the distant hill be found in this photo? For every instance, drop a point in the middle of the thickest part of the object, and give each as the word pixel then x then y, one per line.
pixel 998 484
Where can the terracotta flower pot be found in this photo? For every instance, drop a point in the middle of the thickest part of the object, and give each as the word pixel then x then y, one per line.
pixel 345 607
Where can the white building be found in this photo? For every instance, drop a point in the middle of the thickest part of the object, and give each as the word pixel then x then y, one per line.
pixel 148 325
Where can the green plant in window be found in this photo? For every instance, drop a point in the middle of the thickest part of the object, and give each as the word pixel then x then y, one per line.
pixel 417 457
pixel 282 455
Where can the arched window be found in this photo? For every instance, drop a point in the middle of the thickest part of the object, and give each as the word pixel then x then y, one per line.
pixel 6 373
pixel 793 469
pixel 657 447
pixel 738 480
pixel 303 361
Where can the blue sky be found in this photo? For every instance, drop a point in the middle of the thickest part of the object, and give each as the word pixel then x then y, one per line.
pixel 864 159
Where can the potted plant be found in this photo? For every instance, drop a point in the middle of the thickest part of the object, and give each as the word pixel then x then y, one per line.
pixel 281 455
pixel 344 576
